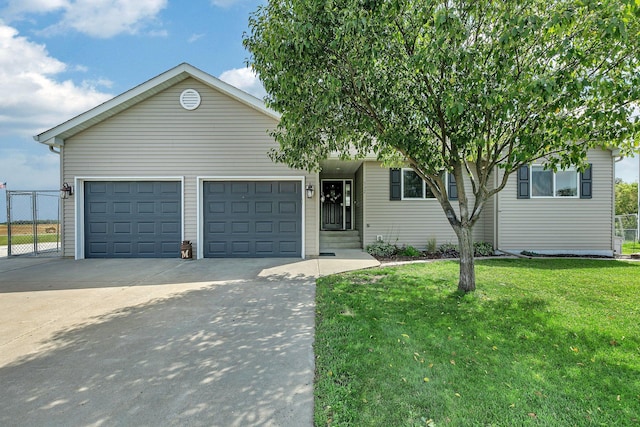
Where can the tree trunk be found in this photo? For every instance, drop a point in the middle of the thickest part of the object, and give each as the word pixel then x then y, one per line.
pixel 467 282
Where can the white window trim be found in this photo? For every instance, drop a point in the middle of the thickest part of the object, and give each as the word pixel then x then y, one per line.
pixel 424 186
pixel 572 168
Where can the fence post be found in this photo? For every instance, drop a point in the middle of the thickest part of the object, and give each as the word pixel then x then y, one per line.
pixel 8 195
pixel 34 218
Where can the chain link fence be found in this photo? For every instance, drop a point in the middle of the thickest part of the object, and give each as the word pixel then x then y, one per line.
pixel 627 230
pixel 33 224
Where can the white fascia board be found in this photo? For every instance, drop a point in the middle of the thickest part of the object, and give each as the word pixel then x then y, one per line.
pixel 52 142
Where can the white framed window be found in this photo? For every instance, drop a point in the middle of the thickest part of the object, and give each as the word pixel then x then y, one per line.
pixel 414 187
pixel 546 183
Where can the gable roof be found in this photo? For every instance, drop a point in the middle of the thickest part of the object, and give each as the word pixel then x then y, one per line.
pixel 56 135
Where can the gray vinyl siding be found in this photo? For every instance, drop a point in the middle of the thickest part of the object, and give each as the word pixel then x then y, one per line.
pixel 560 224
pixel 158 138
pixel 404 222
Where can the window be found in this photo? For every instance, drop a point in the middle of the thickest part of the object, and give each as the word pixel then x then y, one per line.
pixel 546 183
pixel 413 187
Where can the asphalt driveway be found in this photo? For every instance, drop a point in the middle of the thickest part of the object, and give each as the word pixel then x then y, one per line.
pixel 157 342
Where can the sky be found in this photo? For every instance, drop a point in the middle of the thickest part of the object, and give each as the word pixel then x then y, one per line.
pixel 59 58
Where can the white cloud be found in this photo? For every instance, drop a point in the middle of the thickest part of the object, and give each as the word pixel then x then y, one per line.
pixel 32 99
pixel 95 18
pixel 16 9
pixel 195 37
pixel 244 79
pixel 24 171
pixel 107 18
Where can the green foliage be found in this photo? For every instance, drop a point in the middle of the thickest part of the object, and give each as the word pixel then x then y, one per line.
pixel 405 78
pixel 545 343
pixel 432 246
pixel 382 249
pixel 632 247
pixel 483 248
pixel 466 86
pixel 448 250
pixel 626 197
pixel 409 251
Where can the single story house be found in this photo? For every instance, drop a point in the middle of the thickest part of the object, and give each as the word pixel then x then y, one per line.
pixel 183 156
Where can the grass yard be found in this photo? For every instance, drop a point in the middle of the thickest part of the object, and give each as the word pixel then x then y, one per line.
pixel 630 247
pixel 542 342
pixel 28 239
pixel 23 233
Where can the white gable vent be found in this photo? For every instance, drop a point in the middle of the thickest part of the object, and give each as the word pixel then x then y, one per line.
pixel 190 99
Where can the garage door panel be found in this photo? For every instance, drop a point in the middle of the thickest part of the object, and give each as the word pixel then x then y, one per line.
pixel 121 228
pixel 240 207
pixel 170 207
pixel 240 227
pixel 240 187
pixel 288 247
pixel 144 187
pixel 287 227
pixel 264 227
pixel 264 207
pixel 264 187
pixel 170 228
pixel 132 219
pixel 97 207
pixel 121 187
pixel 96 187
pixel 145 207
pixel 256 217
pixel 98 227
pixel 287 208
pixel 98 248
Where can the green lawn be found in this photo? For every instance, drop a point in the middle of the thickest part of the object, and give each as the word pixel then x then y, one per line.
pixel 542 342
pixel 26 239
pixel 630 247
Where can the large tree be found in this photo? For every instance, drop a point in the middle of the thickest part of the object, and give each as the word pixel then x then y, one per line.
pixel 626 197
pixel 466 86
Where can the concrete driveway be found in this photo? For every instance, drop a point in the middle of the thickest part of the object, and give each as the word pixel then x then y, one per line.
pixel 159 342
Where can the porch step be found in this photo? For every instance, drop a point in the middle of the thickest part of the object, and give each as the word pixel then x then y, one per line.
pixel 349 239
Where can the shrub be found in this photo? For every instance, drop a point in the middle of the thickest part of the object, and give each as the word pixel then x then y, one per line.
pixel 448 250
pixel 479 249
pixel 409 251
pixel 382 249
pixel 482 248
pixel 432 246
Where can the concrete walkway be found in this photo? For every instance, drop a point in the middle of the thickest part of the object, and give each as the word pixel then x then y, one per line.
pixel 160 342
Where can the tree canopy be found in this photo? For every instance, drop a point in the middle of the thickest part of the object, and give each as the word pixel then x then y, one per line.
pixel 626 197
pixel 468 86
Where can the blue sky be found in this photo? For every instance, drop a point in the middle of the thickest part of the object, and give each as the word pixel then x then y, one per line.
pixel 59 58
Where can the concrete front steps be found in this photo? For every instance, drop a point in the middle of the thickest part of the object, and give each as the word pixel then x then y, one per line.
pixel 349 239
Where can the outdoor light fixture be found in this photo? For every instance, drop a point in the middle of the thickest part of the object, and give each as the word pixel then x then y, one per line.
pixel 66 191
pixel 309 191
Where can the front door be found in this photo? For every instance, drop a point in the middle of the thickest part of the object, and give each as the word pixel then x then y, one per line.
pixel 332 200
